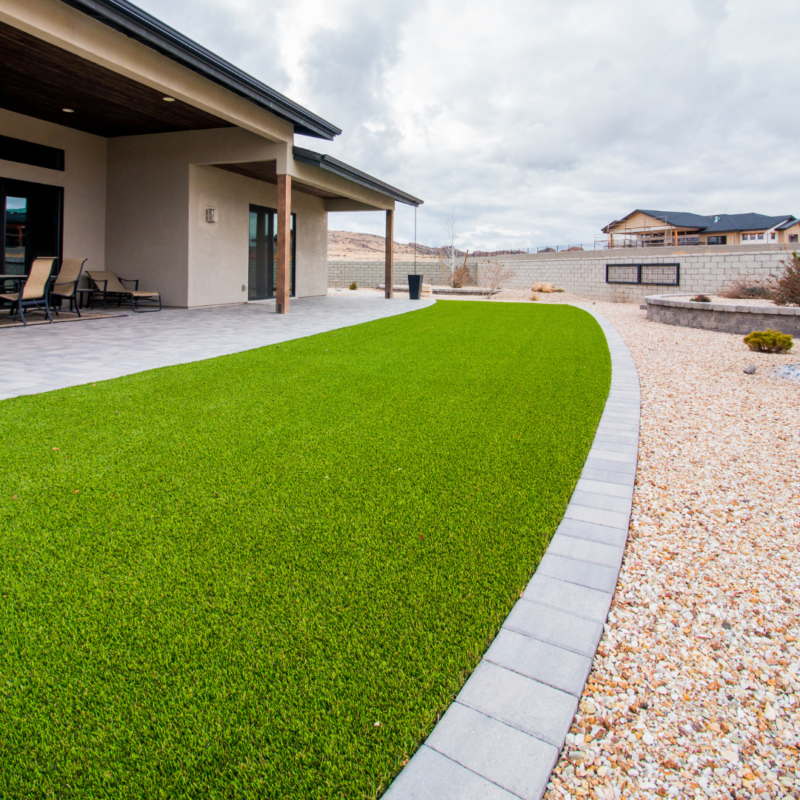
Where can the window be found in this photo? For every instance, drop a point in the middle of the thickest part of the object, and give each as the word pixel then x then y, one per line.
pixel 772 236
pixel 760 235
pixel 718 240
pixel 745 237
pixel 652 274
pixel 792 237
pixel 36 155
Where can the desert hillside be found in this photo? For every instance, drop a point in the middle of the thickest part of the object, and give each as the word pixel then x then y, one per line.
pixel 344 246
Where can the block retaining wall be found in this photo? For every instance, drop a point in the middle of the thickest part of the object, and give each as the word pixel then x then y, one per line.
pixel 671 310
pixel 703 269
pixel 369 274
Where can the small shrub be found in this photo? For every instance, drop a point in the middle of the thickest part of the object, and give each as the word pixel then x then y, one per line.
pixel 769 341
pixel 748 288
pixel 462 277
pixel 564 290
pixel 786 288
pixel 700 298
pixel 353 286
pixel 534 297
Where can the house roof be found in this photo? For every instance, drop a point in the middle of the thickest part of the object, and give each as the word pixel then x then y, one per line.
pixel 722 223
pixel 714 223
pixel 126 18
pixel 337 167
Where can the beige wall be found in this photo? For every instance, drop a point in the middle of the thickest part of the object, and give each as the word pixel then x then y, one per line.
pixel 149 208
pixel 218 251
pixel 83 179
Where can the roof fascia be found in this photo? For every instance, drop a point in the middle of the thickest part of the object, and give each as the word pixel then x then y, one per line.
pixel 126 18
pixel 343 170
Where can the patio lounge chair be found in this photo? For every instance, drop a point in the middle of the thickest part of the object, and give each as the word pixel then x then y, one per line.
pixel 109 285
pixel 65 286
pixel 35 293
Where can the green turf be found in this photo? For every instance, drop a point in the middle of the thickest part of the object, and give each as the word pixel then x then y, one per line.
pixel 229 571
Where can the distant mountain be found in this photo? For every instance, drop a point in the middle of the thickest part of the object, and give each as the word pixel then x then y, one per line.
pixel 344 246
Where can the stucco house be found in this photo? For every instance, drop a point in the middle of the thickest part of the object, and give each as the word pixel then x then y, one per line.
pixel 126 143
pixel 654 228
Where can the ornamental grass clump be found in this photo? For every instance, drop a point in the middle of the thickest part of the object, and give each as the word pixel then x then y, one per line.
pixel 769 341
pixel 748 287
pixel 353 286
pixel 786 287
pixel 700 298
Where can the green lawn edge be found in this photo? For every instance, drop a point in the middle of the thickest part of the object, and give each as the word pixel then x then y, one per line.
pixel 228 571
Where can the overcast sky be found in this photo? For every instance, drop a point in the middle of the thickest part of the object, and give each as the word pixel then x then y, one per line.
pixel 539 121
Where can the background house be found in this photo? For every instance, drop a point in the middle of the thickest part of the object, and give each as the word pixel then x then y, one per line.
pixel 643 228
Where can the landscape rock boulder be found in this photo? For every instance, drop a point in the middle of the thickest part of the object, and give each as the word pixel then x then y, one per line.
pixel 546 288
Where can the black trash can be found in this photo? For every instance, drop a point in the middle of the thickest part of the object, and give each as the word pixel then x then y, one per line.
pixel 414 287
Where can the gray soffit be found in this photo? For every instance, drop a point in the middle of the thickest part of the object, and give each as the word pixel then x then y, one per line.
pixel 126 18
pixel 352 174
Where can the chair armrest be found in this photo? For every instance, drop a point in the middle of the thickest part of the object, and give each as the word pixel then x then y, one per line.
pixel 55 282
pixel 98 287
pixel 134 281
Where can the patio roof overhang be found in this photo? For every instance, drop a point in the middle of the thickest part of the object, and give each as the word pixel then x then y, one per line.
pixel 41 79
pixel 344 188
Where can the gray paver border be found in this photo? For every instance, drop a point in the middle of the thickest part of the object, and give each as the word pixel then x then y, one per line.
pixel 501 737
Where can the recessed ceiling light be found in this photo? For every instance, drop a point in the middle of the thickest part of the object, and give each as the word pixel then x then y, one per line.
pixel 68 110
pixel 169 99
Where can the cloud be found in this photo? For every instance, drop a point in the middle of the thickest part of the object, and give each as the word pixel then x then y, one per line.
pixel 538 121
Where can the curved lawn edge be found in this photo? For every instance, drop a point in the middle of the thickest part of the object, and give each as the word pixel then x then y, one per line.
pixel 502 735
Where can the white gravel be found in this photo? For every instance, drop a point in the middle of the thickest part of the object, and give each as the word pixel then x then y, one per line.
pixel 695 689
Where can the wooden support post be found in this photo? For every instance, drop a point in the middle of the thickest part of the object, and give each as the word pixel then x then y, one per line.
pixel 675 237
pixel 284 254
pixel 389 277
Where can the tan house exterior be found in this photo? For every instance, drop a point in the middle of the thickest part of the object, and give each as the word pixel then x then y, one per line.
pixel 678 228
pixel 161 161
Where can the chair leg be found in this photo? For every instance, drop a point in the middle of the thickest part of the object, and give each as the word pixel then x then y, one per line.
pixel 22 315
pixel 47 309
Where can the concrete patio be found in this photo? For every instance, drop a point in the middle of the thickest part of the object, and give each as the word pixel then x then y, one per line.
pixel 45 357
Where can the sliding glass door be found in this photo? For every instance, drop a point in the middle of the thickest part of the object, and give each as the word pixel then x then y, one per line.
pixel 263 262
pixel 31 220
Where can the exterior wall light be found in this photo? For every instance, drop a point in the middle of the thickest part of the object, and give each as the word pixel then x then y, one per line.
pixel 211 215
pixel 68 110
pixel 168 99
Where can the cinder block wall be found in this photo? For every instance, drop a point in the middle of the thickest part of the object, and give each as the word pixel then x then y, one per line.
pixel 702 269
pixel 369 274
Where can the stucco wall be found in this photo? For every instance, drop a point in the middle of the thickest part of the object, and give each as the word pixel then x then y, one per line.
pixel 158 189
pixel 83 179
pixel 218 251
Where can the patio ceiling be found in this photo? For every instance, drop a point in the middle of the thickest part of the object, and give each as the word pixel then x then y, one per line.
pixel 41 79
pixel 266 171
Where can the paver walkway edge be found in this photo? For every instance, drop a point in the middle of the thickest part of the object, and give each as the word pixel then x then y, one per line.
pixel 501 737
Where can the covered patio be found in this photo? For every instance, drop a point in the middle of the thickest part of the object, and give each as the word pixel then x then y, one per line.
pixel 125 143
pixel 47 357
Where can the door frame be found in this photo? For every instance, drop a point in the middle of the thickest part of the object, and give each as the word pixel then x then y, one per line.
pixel 270 220
pixel 7 186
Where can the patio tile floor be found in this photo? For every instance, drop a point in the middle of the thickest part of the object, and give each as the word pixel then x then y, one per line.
pixel 45 357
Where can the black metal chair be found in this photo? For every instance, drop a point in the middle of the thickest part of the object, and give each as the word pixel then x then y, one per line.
pixel 109 285
pixel 35 293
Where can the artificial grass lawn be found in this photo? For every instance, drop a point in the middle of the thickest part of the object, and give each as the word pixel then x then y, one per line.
pixel 229 571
